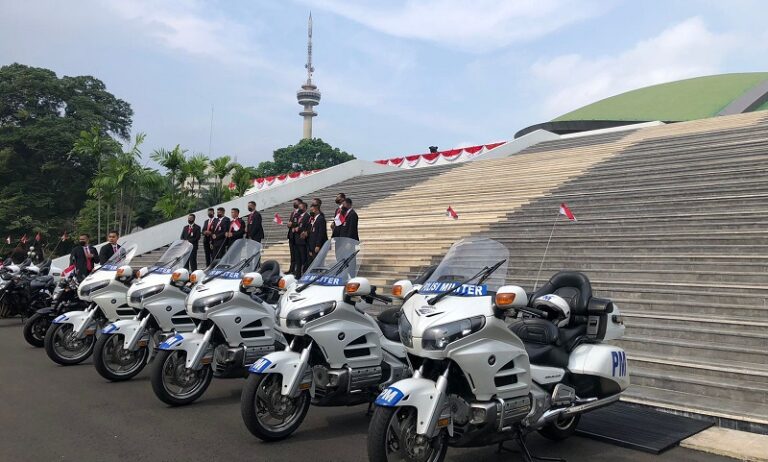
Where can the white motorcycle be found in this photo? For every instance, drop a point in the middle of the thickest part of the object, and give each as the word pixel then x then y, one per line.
pixel 127 345
pixel 71 337
pixel 234 326
pixel 479 380
pixel 338 355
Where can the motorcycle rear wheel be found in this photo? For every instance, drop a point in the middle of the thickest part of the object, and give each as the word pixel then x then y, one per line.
pixel 392 437
pixel 116 364
pixel 63 349
pixel 35 329
pixel 269 415
pixel 173 383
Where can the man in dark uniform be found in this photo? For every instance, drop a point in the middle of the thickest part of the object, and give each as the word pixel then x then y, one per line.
pixel 191 233
pixel 300 235
pixel 236 227
pixel 292 223
pixel 110 248
pixel 208 226
pixel 84 257
pixel 318 233
pixel 219 235
pixel 253 228
pixel 335 223
pixel 348 218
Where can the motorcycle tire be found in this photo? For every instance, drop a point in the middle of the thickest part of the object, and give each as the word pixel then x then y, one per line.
pixel 35 329
pixel 248 404
pixel 175 359
pixel 103 351
pixel 53 349
pixel 560 430
pixel 378 435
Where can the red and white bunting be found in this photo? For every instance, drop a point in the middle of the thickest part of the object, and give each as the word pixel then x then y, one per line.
pixel 564 210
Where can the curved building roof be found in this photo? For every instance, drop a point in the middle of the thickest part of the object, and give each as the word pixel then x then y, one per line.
pixel 689 99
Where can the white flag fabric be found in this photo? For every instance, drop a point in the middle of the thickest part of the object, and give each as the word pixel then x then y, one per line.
pixel 337 221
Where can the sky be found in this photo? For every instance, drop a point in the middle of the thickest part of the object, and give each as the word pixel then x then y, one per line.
pixel 396 76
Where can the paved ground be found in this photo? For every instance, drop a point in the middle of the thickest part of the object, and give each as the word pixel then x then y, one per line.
pixel 54 413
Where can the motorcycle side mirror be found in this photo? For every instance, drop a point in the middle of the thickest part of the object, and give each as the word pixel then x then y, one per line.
pixel 180 277
pixel 251 282
pixel 510 298
pixel 142 272
pixel 196 276
pixel 124 274
pixel 286 281
pixel 356 287
pixel 402 288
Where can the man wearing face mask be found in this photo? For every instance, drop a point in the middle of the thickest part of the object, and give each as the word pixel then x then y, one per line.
pixel 219 235
pixel 236 227
pixel 253 227
pixel 300 235
pixel 336 222
pixel 191 234
pixel 348 219
pixel 318 232
pixel 208 226
pixel 110 248
pixel 292 223
pixel 84 257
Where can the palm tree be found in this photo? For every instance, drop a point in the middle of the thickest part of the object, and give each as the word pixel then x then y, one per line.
pixel 243 179
pixel 222 166
pixel 196 169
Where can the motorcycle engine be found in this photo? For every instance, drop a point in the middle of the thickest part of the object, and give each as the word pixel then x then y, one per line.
pixel 460 409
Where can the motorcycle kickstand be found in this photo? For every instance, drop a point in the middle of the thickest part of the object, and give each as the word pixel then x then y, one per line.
pixel 526 453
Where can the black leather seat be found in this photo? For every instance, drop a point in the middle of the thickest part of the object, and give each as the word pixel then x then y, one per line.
pixel 387 321
pixel 270 272
pixel 40 282
pixel 574 288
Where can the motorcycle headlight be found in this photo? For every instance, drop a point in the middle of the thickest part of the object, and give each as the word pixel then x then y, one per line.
pixel 142 294
pixel 406 331
pixel 438 337
pixel 93 287
pixel 203 304
pixel 300 317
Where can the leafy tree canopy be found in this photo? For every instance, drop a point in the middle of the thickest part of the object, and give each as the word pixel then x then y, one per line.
pixel 307 154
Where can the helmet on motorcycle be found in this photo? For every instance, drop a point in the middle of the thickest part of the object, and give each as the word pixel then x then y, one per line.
pixel 557 309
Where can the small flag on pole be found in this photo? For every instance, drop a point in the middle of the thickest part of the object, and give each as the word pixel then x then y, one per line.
pixel 8 240
pixel 564 210
pixel 277 219
pixel 450 213
pixel 232 185
pixel 38 236
pixel 67 271
pixel 24 239
pixel 236 226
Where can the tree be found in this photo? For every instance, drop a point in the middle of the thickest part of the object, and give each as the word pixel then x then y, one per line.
pixel 243 179
pixel 307 154
pixel 43 180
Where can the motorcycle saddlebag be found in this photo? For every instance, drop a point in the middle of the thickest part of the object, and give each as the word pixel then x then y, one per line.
pixel 598 312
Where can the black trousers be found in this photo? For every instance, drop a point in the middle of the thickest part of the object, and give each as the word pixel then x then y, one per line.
pixel 302 257
pixel 294 268
pixel 207 250
pixel 192 262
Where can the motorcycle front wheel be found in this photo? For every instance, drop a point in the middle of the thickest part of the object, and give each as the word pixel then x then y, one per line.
pixel 268 414
pixel 35 329
pixel 115 363
pixel 63 347
pixel 392 437
pixel 175 384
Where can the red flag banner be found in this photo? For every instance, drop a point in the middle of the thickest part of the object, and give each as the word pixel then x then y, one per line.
pixel 450 213
pixel 232 186
pixel 277 219
pixel 24 239
pixel 564 210
pixel 38 237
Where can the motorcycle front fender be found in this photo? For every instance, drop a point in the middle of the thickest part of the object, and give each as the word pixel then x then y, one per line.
pixel 290 365
pixel 131 329
pixel 80 320
pixel 194 343
pixel 422 394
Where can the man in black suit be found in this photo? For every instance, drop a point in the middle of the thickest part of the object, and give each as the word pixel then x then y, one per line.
pixel 110 248
pixel 253 228
pixel 292 224
pixel 191 233
pixel 236 227
pixel 219 235
pixel 335 223
pixel 318 233
pixel 208 226
pixel 348 218
pixel 84 257
pixel 300 236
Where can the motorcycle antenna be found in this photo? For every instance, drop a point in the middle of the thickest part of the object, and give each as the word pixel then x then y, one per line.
pixel 541 265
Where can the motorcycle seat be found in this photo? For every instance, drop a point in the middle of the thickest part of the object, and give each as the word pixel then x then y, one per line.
pixel 547 344
pixel 41 282
pixel 387 321
pixel 270 272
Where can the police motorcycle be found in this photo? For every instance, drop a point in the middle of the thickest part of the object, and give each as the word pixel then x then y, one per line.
pixel 72 336
pixel 337 354
pixel 232 306
pixel 479 380
pixel 64 299
pixel 25 288
pixel 157 294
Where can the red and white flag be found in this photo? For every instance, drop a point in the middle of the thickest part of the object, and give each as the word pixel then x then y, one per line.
pixel 8 240
pixel 38 236
pixel 564 210
pixel 450 213
pixel 232 186
pixel 235 226
pixel 277 219
pixel 67 271
pixel 24 239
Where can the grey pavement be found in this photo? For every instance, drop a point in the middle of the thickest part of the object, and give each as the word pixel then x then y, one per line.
pixel 54 413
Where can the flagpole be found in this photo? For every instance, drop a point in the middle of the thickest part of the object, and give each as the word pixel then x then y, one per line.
pixel 536 282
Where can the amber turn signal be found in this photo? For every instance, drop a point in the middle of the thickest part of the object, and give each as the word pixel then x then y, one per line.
pixel 352 287
pixel 175 276
pixel 505 299
pixel 193 278
pixel 120 272
pixel 281 283
pixel 397 290
pixel 247 281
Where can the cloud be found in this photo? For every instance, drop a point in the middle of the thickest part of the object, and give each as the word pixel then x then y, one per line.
pixel 477 26
pixel 687 49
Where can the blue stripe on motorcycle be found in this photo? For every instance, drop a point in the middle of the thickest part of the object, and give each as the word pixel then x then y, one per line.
pixel 260 366
pixel 389 397
pixel 109 329
pixel 169 342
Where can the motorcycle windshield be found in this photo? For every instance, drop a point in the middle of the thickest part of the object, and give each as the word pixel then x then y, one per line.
pixel 467 258
pixel 333 252
pixel 231 264
pixel 175 257
pixel 122 257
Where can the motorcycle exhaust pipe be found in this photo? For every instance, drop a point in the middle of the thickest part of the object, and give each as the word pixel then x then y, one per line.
pixel 555 414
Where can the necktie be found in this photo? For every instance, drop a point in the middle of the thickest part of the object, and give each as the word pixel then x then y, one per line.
pixel 114 249
pixel 88 263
